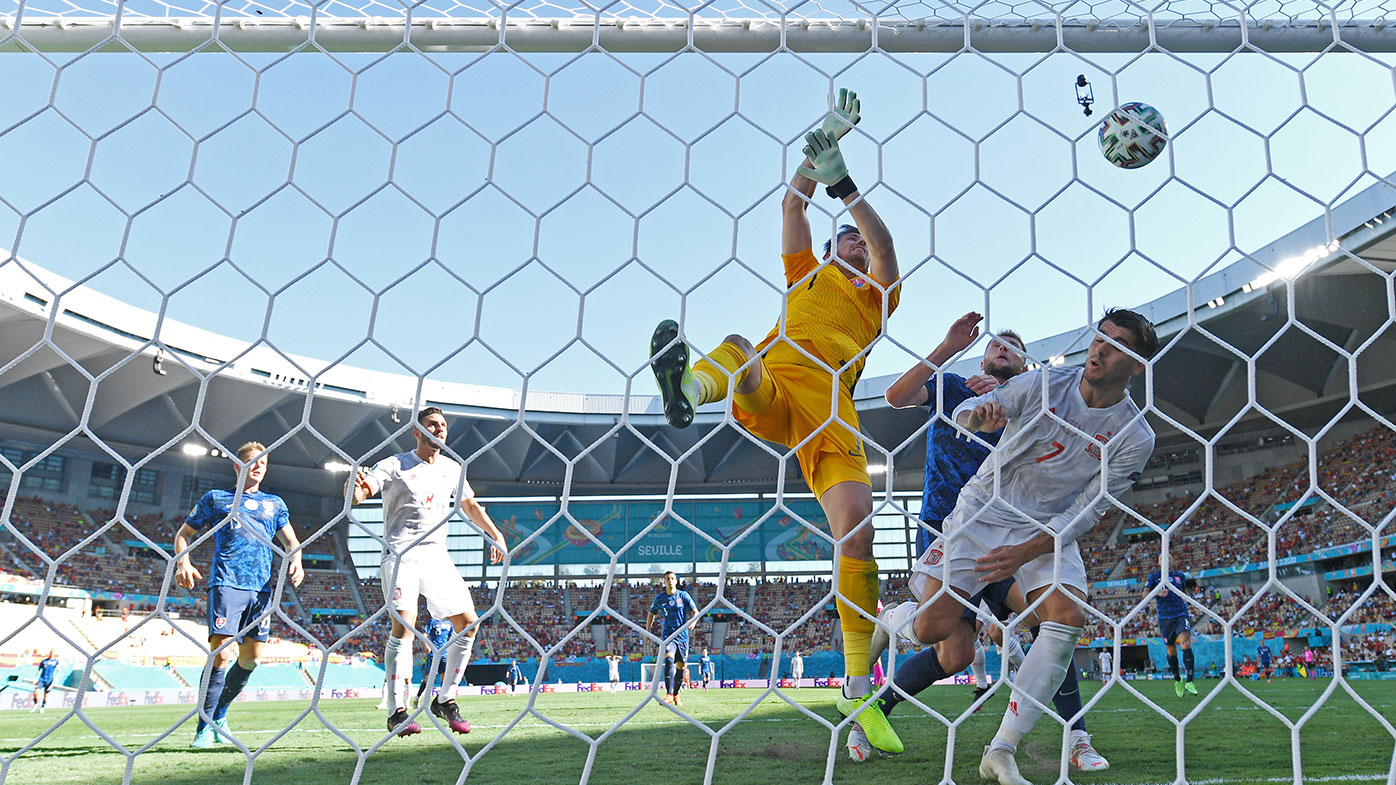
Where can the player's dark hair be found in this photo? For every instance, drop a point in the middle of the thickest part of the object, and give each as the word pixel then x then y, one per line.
pixel 427 412
pixel 1144 340
pixel 1010 334
pixel 843 230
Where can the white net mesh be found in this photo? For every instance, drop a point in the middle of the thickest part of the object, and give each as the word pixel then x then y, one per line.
pixel 211 240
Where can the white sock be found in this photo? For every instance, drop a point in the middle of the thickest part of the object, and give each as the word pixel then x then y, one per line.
pixel 857 686
pixel 457 657
pixel 1039 677
pixel 1012 650
pixel 899 623
pixel 981 676
pixel 397 661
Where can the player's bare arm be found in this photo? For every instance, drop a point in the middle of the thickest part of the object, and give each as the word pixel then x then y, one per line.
pixel 481 518
pixel 186 574
pixel 984 418
pixel 795 233
pixel 293 563
pixel 361 487
pixel 882 262
pixel 910 388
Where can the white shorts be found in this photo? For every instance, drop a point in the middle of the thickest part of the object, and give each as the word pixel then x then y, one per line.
pixel 432 575
pixel 952 561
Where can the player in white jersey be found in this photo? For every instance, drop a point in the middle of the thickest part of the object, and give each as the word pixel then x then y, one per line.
pixel 417 488
pixel 1021 514
pixel 613 666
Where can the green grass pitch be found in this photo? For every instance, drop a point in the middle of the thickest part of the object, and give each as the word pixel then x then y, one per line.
pixel 1232 740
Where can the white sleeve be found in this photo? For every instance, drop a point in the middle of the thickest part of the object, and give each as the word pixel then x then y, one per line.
pixel 381 473
pixel 1124 463
pixel 466 492
pixel 1014 395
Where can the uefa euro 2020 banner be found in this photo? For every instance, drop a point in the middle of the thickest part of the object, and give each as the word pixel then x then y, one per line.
pixel 753 530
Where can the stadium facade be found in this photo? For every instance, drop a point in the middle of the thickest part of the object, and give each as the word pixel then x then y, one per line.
pixel 1270 360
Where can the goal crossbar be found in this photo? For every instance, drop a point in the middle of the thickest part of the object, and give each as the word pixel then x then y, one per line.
pixel 383 34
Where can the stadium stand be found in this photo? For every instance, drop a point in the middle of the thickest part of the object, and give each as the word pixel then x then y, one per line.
pixel 1355 472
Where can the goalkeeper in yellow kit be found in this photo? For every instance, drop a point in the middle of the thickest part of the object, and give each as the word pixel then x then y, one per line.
pixel 795 387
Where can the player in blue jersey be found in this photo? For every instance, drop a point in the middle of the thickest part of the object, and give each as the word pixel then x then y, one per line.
pixel 48 666
pixel 240 581
pixel 677 610
pixel 438 633
pixel 952 461
pixel 1264 665
pixel 1175 625
pixel 705 669
pixel 515 675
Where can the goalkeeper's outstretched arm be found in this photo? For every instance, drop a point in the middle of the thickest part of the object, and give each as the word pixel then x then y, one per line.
pixel 795 234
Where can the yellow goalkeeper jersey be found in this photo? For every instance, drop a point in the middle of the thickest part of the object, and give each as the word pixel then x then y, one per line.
pixel 829 315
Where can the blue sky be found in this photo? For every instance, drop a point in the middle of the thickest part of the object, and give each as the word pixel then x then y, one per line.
pixel 590 196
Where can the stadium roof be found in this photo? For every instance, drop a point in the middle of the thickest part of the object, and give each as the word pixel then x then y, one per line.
pixel 1334 275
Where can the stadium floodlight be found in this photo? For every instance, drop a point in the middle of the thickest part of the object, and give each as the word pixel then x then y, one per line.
pixel 337 466
pixel 196 450
pixel 1294 266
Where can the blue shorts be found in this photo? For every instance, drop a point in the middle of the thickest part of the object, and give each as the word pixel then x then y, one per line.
pixel 995 595
pixel 678 649
pixel 1170 629
pixel 41 684
pixel 230 610
pixel 927 533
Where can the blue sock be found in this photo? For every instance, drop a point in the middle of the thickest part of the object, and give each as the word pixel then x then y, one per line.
pixel 1068 699
pixel 1188 662
pixel 216 676
pixel 669 676
pixel 1173 663
pixel 914 674
pixel 232 687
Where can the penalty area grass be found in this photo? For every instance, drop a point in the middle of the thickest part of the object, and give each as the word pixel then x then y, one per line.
pixel 1232 740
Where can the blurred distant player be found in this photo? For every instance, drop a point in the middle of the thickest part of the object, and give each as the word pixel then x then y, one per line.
pixel 705 669
pixel 48 666
pixel 417 487
pixel 240 586
pixel 1175 625
pixel 677 610
pixel 515 675
pixel 797 668
pixel 1263 657
pixel 439 633
pixel 952 461
pixel 1072 439
pixel 795 387
pixel 613 666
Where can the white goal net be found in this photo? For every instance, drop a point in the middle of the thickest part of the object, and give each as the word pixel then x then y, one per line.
pixel 366 207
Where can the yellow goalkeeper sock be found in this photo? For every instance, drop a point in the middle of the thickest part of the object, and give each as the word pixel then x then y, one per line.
pixel 709 372
pixel 857 582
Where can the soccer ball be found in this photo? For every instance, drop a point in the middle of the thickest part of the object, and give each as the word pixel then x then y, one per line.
pixel 860 750
pixel 1132 135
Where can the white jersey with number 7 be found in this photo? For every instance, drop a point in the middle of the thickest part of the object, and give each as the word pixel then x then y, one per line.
pixel 1048 460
